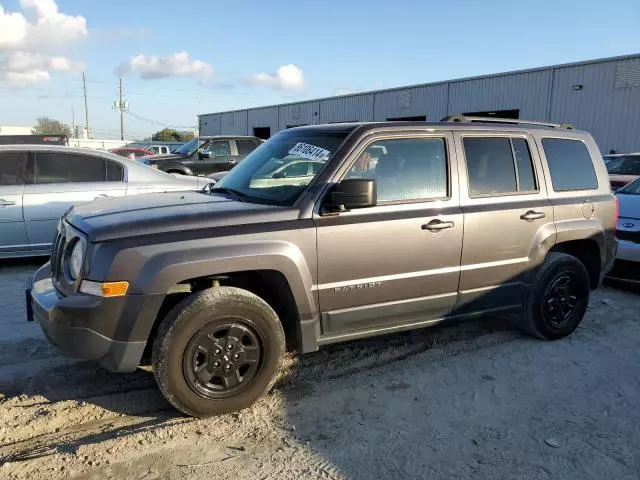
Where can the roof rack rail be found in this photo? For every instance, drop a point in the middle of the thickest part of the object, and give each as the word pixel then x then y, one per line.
pixel 464 118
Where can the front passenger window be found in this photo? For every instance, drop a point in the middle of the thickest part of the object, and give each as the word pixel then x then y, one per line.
pixel 220 149
pixel 405 169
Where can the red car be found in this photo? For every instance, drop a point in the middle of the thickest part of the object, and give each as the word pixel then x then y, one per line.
pixel 131 152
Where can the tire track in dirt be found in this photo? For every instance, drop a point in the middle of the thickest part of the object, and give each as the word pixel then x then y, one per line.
pixel 127 412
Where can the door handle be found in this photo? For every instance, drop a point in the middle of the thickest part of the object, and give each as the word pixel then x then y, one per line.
pixel 530 216
pixel 102 195
pixel 6 203
pixel 437 225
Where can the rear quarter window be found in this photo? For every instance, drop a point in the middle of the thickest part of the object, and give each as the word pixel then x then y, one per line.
pixel 570 165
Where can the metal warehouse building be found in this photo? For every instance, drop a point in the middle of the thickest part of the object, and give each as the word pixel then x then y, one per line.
pixel 600 96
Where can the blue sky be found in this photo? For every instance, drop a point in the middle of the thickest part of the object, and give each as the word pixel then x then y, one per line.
pixel 234 50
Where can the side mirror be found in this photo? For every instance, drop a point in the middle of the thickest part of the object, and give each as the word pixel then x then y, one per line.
pixel 353 193
pixel 203 155
pixel 280 174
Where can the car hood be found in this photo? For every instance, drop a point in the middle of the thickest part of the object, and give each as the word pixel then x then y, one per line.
pixel 162 156
pixel 162 213
pixel 629 205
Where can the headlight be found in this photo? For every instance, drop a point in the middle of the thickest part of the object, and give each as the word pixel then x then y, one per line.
pixel 76 259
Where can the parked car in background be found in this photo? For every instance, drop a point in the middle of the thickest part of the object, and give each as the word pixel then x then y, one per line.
pixel 627 266
pixel 131 152
pixel 39 183
pixel 623 168
pixel 204 155
pixel 159 149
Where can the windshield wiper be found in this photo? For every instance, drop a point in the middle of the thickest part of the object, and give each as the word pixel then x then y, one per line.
pixel 230 191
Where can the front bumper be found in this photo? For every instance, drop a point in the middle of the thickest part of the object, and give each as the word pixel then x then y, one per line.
pixel 88 327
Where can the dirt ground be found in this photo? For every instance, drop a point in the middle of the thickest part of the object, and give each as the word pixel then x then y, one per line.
pixel 472 400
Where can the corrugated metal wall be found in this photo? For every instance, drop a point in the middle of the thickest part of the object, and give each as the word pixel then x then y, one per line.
pixel 607 105
pixel 234 123
pixel 528 92
pixel 210 124
pixel 305 113
pixel 610 114
pixel 347 109
pixel 263 117
pixel 429 100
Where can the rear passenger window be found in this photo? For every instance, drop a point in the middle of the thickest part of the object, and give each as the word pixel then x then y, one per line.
pixel 570 165
pixel 245 147
pixel 67 168
pixel 115 172
pixel 12 167
pixel 499 166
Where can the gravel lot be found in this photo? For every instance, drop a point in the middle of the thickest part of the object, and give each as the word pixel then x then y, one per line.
pixel 472 400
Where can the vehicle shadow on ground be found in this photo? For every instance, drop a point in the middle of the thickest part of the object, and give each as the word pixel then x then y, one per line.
pixel 135 395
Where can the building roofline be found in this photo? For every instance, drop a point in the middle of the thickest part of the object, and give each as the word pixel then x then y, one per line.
pixel 631 56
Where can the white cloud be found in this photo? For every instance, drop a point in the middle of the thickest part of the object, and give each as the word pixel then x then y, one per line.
pixel 27 38
pixel 41 26
pixel 19 69
pixel 151 67
pixel 287 77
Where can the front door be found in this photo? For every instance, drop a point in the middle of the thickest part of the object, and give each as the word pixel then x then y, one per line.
pixel 395 264
pixel 218 160
pixel 13 235
pixel 55 182
pixel 507 216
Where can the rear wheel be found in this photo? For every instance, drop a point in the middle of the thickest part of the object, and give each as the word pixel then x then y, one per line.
pixel 558 301
pixel 218 351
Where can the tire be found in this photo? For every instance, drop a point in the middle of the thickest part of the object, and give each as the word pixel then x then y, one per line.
pixel 178 352
pixel 537 316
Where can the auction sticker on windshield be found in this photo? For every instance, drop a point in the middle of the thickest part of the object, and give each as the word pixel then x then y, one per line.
pixel 311 152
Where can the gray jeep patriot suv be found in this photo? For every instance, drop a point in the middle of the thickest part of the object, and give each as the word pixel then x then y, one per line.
pixel 367 229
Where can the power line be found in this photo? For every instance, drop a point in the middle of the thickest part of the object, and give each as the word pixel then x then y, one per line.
pixel 155 122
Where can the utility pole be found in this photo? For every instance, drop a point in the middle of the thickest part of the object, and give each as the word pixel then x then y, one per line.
pixel 120 105
pixel 86 105
pixel 73 122
pixel 121 112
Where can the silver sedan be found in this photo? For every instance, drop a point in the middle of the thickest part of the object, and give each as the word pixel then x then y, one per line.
pixel 38 183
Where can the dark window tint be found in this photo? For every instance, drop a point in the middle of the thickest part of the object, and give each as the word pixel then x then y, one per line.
pixel 67 167
pixel 115 172
pixel 526 177
pixel 245 147
pixel 499 165
pixel 490 166
pixel 12 167
pixel 570 165
pixel 405 169
pixel 625 165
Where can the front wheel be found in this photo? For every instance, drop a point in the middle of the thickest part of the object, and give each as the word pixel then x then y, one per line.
pixel 218 351
pixel 558 301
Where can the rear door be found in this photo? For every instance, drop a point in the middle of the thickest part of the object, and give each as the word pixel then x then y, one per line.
pixel 507 216
pixel 58 180
pixel 13 235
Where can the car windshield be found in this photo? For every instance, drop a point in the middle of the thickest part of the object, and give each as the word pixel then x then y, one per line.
pixel 624 165
pixel 632 188
pixel 252 176
pixel 190 147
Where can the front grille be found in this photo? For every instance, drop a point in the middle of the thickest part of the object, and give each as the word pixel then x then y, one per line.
pixel 629 236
